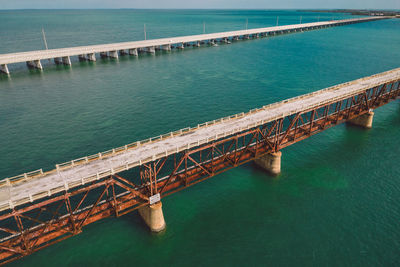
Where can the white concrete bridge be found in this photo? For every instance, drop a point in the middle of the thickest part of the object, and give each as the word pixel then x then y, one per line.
pixel 62 55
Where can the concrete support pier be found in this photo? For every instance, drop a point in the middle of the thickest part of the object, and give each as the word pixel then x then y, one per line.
pixel 35 64
pixel 66 61
pixel 364 120
pixel 111 50
pixel 4 69
pixel 153 216
pixel 122 52
pixel 91 57
pixel 133 52
pixel 113 54
pixel 271 162
pixel 151 50
pixel 58 61
pixel 166 47
pixel 82 58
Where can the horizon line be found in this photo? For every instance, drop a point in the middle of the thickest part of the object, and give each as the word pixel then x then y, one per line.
pixel 144 8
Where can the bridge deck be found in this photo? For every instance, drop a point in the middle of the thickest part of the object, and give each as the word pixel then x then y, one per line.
pixel 74 51
pixel 27 187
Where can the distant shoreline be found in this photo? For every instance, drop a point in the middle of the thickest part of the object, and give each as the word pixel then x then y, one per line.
pixel 363 12
pixel 370 12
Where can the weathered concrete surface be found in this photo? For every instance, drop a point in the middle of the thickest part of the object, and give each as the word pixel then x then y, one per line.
pixel 271 162
pixel 364 120
pixel 91 57
pixel 66 61
pixel 153 216
pixel 113 54
pixel 83 50
pixel 47 183
pixel 35 64
pixel 4 69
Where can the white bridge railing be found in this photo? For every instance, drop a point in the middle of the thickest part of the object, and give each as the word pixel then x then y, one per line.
pixel 25 177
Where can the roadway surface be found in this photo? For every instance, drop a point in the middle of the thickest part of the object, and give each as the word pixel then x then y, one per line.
pixel 81 50
pixel 26 190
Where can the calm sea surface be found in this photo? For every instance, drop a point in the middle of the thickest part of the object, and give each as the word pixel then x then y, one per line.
pixel 337 200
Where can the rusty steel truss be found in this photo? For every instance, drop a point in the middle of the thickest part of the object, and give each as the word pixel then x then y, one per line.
pixel 34 226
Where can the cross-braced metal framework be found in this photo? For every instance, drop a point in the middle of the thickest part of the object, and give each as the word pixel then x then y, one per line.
pixel 31 227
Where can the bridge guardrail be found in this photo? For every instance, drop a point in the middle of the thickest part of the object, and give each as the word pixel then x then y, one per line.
pixel 74 51
pixel 127 165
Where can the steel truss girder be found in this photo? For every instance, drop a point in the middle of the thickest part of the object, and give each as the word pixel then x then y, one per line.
pixel 32 227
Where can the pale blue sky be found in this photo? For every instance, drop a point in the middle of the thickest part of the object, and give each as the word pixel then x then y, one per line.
pixel 257 4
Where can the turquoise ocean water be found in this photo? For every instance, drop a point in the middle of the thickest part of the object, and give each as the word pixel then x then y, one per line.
pixel 337 200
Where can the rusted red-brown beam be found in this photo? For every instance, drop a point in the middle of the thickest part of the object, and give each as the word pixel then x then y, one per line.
pixel 255 142
pixel 58 228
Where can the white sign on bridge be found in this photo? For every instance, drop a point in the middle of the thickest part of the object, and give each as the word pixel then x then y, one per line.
pixel 154 198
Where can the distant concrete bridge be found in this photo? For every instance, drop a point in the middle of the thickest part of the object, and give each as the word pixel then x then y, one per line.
pixel 40 208
pixel 62 55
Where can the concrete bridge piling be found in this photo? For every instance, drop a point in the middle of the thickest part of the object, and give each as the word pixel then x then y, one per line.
pixel 153 216
pixel 113 54
pixel 82 57
pixel 58 61
pixel 122 52
pixel 34 64
pixel 91 57
pixel 364 120
pixel 174 161
pixel 4 69
pixel 133 52
pixel 166 47
pixel 271 162
pixel 149 46
pixel 151 50
pixel 66 61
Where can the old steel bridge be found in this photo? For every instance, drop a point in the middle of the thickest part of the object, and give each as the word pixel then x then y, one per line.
pixel 40 208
